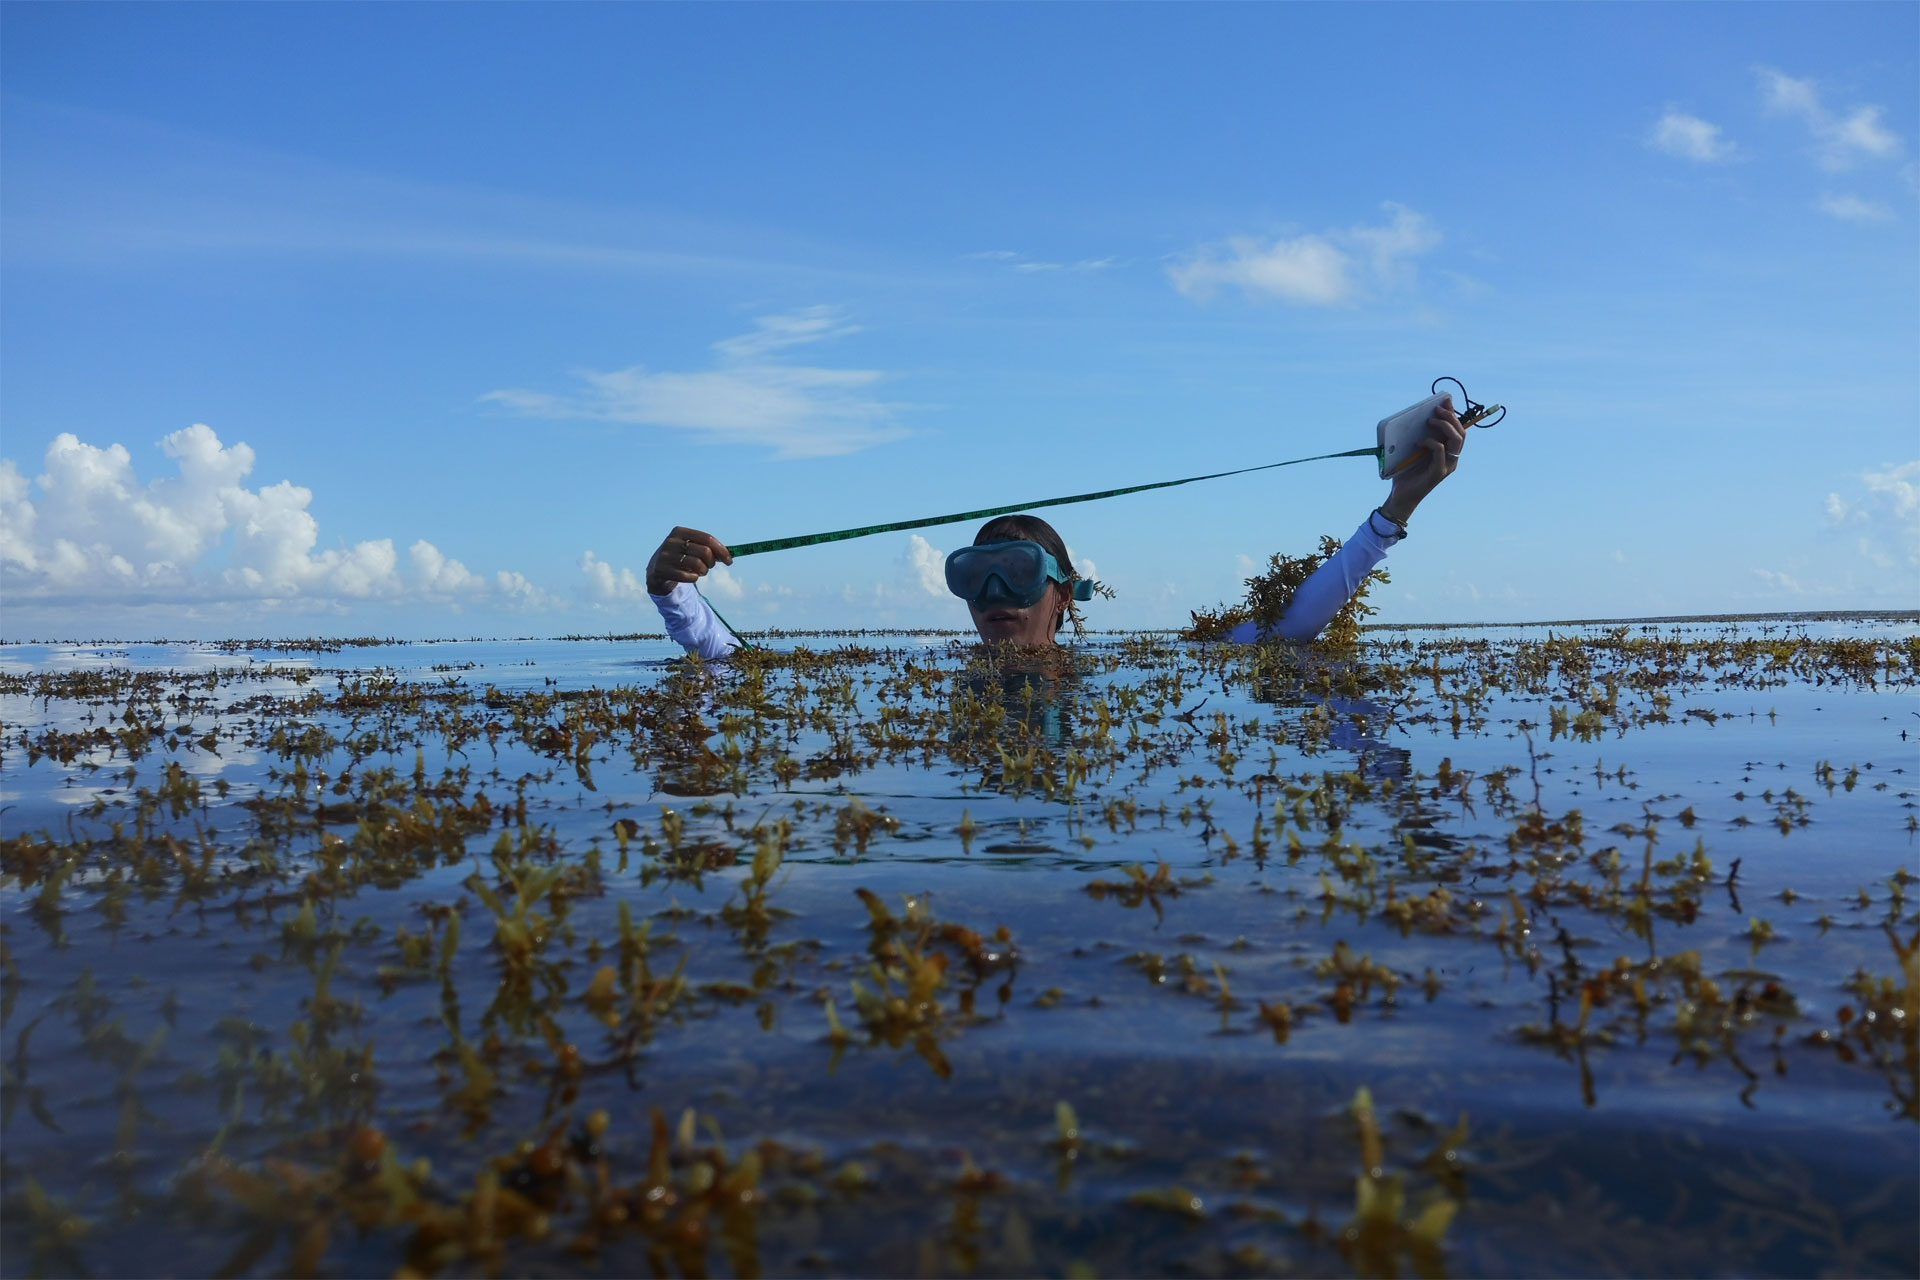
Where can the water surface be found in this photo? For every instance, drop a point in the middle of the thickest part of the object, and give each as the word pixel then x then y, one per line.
pixel 872 956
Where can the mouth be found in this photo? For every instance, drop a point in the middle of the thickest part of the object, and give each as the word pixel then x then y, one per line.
pixel 1000 615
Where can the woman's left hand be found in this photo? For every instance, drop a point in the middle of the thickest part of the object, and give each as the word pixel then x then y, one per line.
pixel 1445 439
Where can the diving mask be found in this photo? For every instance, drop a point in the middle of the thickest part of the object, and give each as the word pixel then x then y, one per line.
pixel 1008 575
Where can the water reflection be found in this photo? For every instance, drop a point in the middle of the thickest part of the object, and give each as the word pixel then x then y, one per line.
pixel 409 993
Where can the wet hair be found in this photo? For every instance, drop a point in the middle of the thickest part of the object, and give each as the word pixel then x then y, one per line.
pixel 1025 528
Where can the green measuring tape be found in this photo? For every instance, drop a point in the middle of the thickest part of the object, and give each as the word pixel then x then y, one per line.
pixel 841 535
pixel 1477 415
pixel 927 522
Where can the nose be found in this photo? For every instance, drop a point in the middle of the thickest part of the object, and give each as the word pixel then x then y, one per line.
pixel 995 591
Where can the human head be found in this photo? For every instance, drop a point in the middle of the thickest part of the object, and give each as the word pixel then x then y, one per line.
pixel 1039 623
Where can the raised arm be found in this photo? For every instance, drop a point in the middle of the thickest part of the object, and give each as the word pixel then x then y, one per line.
pixel 683 559
pixel 1329 588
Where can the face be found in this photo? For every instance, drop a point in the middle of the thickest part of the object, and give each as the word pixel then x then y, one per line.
pixel 1032 625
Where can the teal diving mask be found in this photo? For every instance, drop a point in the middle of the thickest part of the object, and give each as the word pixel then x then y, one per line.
pixel 1008 575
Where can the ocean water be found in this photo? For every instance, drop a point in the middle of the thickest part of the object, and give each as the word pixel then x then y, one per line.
pixel 1509 951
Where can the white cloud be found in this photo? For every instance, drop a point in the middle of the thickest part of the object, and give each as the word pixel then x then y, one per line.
pixel 95 530
pixel 439 575
pixel 1840 140
pixel 1780 582
pixel 17 518
pixel 1855 209
pixel 1083 565
pixel 517 592
pixel 1032 266
pixel 150 190
pixel 1393 247
pixel 1898 487
pixel 1312 270
pixel 609 584
pixel 722 583
pixel 1307 269
pixel 796 328
pixel 1886 514
pixel 926 565
pixel 801 410
pixel 1690 138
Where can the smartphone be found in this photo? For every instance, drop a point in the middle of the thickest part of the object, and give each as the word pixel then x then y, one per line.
pixel 1400 435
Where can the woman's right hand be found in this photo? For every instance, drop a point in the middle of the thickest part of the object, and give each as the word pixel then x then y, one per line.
pixel 1446 437
pixel 685 556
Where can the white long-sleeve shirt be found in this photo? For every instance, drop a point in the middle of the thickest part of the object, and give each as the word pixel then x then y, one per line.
pixel 1328 588
pixel 692 622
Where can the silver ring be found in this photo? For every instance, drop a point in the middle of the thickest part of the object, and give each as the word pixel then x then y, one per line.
pixel 1453 457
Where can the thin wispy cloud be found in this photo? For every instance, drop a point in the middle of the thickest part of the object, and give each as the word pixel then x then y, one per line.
pixel 778 332
pixel 1855 209
pixel 1689 137
pixel 748 397
pixel 87 527
pixel 148 190
pixel 1328 269
pixel 1841 139
pixel 1024 265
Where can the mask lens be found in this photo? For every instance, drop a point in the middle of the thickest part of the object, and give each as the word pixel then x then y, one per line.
pixel 999 573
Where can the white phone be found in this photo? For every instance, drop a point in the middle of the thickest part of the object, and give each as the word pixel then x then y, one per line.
pixel 1401 434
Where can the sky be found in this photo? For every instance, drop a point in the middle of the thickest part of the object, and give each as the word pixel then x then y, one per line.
pixel 432 320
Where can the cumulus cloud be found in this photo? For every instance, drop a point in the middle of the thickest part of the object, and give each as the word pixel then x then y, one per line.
pixel 1690 138
pixel 1312 270
pixel 750 397
pixel 721 582
pixel 1840 138
pixel 517 592
pixel 1854 209
pixel 608 584
pixel 439 574
pixel 926 565
pixel 1885 514
pixel 95 530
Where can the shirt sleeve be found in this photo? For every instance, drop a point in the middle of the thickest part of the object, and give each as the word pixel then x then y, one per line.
pixel 1328 589
pixel 691 621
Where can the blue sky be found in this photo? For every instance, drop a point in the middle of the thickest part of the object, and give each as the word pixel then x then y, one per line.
pixel 431 320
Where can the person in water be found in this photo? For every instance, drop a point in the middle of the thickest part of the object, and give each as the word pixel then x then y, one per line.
pixel 1019 582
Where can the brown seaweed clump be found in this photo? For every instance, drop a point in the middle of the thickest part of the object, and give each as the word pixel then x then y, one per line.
pixel 1269 594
